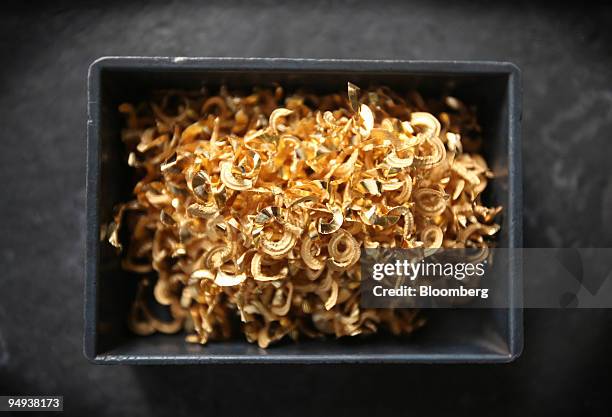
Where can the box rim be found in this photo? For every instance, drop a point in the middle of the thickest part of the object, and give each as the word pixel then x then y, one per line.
pixel 457 67
pixel 349 65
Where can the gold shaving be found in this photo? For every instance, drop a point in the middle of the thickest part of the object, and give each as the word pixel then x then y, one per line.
pixel 258 206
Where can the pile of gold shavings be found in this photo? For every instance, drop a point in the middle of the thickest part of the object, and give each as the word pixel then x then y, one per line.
pixel 257 207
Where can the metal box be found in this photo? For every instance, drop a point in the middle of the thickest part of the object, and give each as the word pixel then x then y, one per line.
pixel 451 336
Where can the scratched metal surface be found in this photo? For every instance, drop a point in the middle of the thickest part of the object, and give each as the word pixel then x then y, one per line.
pixel 565 57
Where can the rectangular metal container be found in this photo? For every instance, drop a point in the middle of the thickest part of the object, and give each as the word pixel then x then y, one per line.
pixel 451 336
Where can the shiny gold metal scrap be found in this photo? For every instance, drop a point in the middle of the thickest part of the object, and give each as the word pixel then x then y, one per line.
pixel 258 206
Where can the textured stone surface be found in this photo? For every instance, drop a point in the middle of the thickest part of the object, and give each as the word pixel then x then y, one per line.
pixel 565 57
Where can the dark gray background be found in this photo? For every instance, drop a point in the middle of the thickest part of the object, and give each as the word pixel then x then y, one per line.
pixel 565 55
